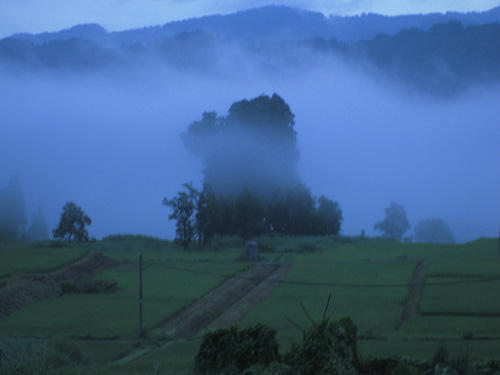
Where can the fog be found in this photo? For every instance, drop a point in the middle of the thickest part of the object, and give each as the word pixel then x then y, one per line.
pixel 110 142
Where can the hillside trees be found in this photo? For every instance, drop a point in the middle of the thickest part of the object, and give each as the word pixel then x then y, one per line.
pixel 13 215
pixel 253 147
pixel 395 223
pixel 251 185
pixel 329 215
pixel 72 223
pixel 183 207
pixel 294 211
pixel 38 230
pixel 433 231
pixel 248 215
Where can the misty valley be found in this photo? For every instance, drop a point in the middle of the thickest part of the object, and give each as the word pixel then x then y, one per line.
pixel 270 191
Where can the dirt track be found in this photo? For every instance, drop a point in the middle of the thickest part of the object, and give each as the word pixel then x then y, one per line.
pixel 230 302
pixel 414 294
pixel 25 290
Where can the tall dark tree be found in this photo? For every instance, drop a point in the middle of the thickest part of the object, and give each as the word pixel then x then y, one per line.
pixel 395 223
pixel 224 217
pixel 277 213
pixel 329 216
pixel 301 211
pixel 72 224
pixel 183 208
pixel 13 216
pixel 206 215
pixel 38 231
pixel 253 147
pixel 248 215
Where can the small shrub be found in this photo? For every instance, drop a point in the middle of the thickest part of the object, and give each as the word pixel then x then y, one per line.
pixel 326 349
pixel 381 365
pixel 230 351
pixel 351 334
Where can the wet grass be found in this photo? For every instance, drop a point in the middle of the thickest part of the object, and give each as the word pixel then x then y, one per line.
pixel 368 281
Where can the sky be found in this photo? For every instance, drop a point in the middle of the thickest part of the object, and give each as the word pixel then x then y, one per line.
pixel 109 140
pixel 35 16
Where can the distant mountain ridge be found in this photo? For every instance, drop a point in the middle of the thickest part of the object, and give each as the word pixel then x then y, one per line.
pixel 274 23
pixel 443 58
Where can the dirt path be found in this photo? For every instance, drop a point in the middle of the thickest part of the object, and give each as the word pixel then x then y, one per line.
pixel 228 303
pixel 414 295
pixel 24 290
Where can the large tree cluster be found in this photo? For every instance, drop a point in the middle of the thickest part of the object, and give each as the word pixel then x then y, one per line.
pixel 293 211
pixel 254 147
pixel 14 217
pixel 251 185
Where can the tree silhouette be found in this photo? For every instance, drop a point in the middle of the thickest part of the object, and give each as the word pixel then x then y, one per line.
pixel 72 224
pixel 38 230
pixel 254 147
pixel 183 206
pixel 13 216
pixel 395 223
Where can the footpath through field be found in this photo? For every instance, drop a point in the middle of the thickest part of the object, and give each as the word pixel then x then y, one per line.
pixel 227 304
pixel 414 294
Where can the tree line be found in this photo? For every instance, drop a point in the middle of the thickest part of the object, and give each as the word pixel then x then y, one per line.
pixel 205 216
pixel 14 217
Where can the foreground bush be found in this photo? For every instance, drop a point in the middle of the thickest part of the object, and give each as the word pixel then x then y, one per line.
pixel 230 351
pixel 327 348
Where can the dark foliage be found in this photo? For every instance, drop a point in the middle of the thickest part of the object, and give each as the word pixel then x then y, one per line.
pixel 433 231
pixel 183 208
pixel 72 224
pixel 38 230
pixel 13 216
pixel 291 212
pixel 327 348
pixel 444 58
pixel 253 147
pixel 248 215
pixel 230 350
pixel 89 287
pixel 395 223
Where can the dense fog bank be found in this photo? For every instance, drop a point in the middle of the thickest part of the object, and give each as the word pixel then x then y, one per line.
pixel 110 141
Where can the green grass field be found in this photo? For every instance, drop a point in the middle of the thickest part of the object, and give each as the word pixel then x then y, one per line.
pixel 368 281
pixel 28 258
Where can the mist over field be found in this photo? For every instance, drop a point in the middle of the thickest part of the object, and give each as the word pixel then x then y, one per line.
pixel 109 140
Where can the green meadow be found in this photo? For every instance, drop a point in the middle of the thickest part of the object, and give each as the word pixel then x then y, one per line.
pixel 368 280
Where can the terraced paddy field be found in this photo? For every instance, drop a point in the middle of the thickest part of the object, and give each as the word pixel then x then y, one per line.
pixel 404 298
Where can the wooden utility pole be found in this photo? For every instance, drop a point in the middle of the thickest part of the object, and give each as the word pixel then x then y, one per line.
pixel 140 295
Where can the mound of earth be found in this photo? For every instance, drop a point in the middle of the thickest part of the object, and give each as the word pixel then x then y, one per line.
pixel 25 290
